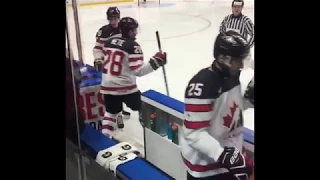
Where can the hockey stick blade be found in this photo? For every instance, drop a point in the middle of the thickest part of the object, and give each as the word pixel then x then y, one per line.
pixel 163 68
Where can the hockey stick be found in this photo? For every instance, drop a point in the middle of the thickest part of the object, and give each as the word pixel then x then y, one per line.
pixel 163 68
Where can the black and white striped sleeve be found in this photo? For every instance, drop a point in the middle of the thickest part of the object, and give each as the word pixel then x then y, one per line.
pixel 223 24
pixel 250 30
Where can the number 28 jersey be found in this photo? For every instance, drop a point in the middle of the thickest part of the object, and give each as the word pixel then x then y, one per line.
pixel 123 62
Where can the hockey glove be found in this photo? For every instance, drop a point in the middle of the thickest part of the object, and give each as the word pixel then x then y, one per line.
pixel 98 64
pixel 158 60
pixel 249 94
pixel 232 159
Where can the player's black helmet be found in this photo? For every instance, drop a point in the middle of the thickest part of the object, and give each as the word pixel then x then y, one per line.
pixel 113 12
pixel 230 44
pixel 127 24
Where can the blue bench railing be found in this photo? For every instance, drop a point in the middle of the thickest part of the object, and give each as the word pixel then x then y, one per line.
pixel 179 107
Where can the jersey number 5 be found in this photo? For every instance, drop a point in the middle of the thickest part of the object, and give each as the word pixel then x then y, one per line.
pixel 116 59
pixel 195 89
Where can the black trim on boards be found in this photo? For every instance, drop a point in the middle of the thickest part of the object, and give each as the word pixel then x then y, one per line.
pixel 144 143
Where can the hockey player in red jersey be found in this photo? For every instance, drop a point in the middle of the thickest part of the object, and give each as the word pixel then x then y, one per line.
pixel 123 62
pixel 213 127
pixel 105 32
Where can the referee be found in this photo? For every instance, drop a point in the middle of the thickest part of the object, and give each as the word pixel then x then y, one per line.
pixel 238 22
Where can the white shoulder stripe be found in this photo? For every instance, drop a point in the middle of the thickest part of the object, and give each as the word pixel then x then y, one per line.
pixel 103 39
pixel 135 55
pixel 198 116
pixel 136 63
pixel 198 101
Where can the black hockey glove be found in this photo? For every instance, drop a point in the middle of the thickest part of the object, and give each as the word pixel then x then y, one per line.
pixel 233 160
pixel 249 94
pixel 97 64
pixel 158 60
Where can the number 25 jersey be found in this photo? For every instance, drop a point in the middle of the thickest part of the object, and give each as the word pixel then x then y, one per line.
pixel 123 62
pixel 213 120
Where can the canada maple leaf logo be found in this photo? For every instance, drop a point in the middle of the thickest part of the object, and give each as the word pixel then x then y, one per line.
pixel 227 120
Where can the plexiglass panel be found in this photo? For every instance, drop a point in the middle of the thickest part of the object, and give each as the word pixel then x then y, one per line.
pixel 93 171
pixel 75 163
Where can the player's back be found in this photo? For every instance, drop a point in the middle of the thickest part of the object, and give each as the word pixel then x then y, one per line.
pixel 122 56
pixel 222 91
pixel 211 81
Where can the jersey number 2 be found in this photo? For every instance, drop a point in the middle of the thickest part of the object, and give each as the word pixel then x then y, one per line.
pixel 195 89
pixel 116 59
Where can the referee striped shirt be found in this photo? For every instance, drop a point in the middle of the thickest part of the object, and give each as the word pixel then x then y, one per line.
pixel 240 24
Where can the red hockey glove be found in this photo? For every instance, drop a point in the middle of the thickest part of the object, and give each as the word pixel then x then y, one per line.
pixel 158 60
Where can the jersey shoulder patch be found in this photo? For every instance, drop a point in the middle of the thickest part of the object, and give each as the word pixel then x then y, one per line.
pixel 204 85
pixel 104 31
pixel 99 33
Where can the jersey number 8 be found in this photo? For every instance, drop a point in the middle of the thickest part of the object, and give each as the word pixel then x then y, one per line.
pixel 116 59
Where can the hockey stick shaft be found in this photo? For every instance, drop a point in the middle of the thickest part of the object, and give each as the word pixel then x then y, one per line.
pixel 163 68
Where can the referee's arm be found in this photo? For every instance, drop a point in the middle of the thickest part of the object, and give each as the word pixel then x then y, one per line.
pixel 222 25
pixel 250 30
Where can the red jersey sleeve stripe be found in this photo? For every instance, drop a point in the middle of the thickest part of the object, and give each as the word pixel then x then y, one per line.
pixel 196 125
pixel 135 67
pixel 98 47
pixel 109 119
pixel 107 127
pixel 201 168
pixel 198 107
pixel 135 59
pixel 101 41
